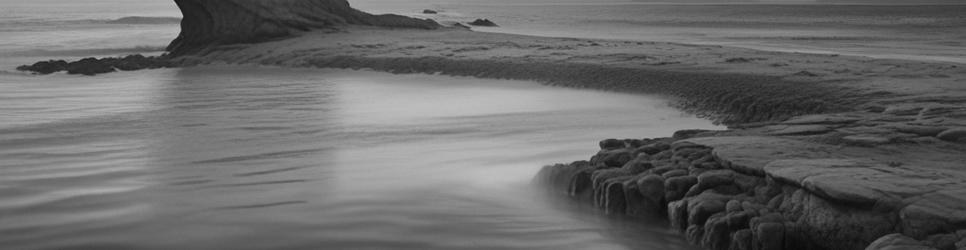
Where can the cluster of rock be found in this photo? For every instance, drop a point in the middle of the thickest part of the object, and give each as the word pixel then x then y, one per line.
pixel 93 66
pixel 210 23
pixel 766 192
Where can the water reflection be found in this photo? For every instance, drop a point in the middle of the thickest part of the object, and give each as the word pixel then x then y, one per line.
pixel 258 158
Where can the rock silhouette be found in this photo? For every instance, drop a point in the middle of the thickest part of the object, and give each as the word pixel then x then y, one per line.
pixel 217 22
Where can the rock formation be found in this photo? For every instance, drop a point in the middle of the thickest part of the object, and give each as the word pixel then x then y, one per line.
pixel 483 22
pixel 764 192
pixel 217 22
pixel 93 66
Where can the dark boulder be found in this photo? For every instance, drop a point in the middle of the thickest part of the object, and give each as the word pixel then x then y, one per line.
pixel 484 23
pixel 89 66
pixel 139 62
pixel 93 66
pixel 45 67
pixel 428 11
pixel 611 144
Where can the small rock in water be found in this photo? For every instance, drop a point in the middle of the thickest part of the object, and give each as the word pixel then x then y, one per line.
pixel 428 11
pixel 483 22
pixel 89 66
pixel 45 67
pixel 93 66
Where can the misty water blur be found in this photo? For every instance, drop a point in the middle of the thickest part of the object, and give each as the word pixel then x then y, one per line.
pixel 256 158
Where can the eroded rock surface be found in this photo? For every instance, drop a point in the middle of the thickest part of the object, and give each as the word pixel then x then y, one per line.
pixel 766 192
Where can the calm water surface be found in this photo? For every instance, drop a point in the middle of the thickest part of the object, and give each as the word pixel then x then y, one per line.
pixel 259 158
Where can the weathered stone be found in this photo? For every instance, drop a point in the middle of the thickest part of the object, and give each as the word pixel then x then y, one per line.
pixel 632 197
pixel 677 213
pixel 740 220
pixel 741 240
pixel 638 165
pixel 685 144
pixel 942 241
pixel 717 234
pixel 654 148
pixel 614 201
pixel 733 206
pixel 861 183
pixel 897 242
pixel 716 178
pixel 776 202
pixel 747 182
pixel 676 187
pixel 429 11
pixel 633 143
pixel 674 173
pixel 853 227
pixel 571 179
pixel 701 207
pixel 651 188
pixel 941 211
pixel 749 206
pixel 612 158
pixel 771 236
pixel 953 135
pixel 611 144
pixel 694 234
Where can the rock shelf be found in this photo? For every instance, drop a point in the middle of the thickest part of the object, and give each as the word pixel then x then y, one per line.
pixel 731 190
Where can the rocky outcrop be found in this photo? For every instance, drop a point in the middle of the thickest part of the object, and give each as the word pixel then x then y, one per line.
pixel 217 22
pixel 763 192
pixel 483 22
pixel 93 66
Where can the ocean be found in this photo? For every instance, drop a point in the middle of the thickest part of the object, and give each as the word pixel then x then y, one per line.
pixel 246 157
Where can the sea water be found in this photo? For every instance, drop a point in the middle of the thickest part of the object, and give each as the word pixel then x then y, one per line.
pixel 242 157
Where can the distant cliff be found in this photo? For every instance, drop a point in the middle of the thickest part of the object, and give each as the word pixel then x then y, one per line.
pixel 215 22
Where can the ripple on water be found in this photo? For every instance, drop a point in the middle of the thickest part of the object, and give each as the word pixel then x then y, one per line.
pixel 229 158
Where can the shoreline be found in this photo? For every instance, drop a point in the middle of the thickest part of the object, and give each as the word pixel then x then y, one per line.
pixel 824 151
pixel 794 135
pixel 878 118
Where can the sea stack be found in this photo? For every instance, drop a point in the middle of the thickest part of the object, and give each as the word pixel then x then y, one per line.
pixel 218 22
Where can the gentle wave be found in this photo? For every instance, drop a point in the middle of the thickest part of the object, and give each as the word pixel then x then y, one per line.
pixel 27 21
pixel 86 52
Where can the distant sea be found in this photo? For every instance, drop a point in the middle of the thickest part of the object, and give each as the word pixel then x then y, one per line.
pixel 57 28
pixel 915 32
